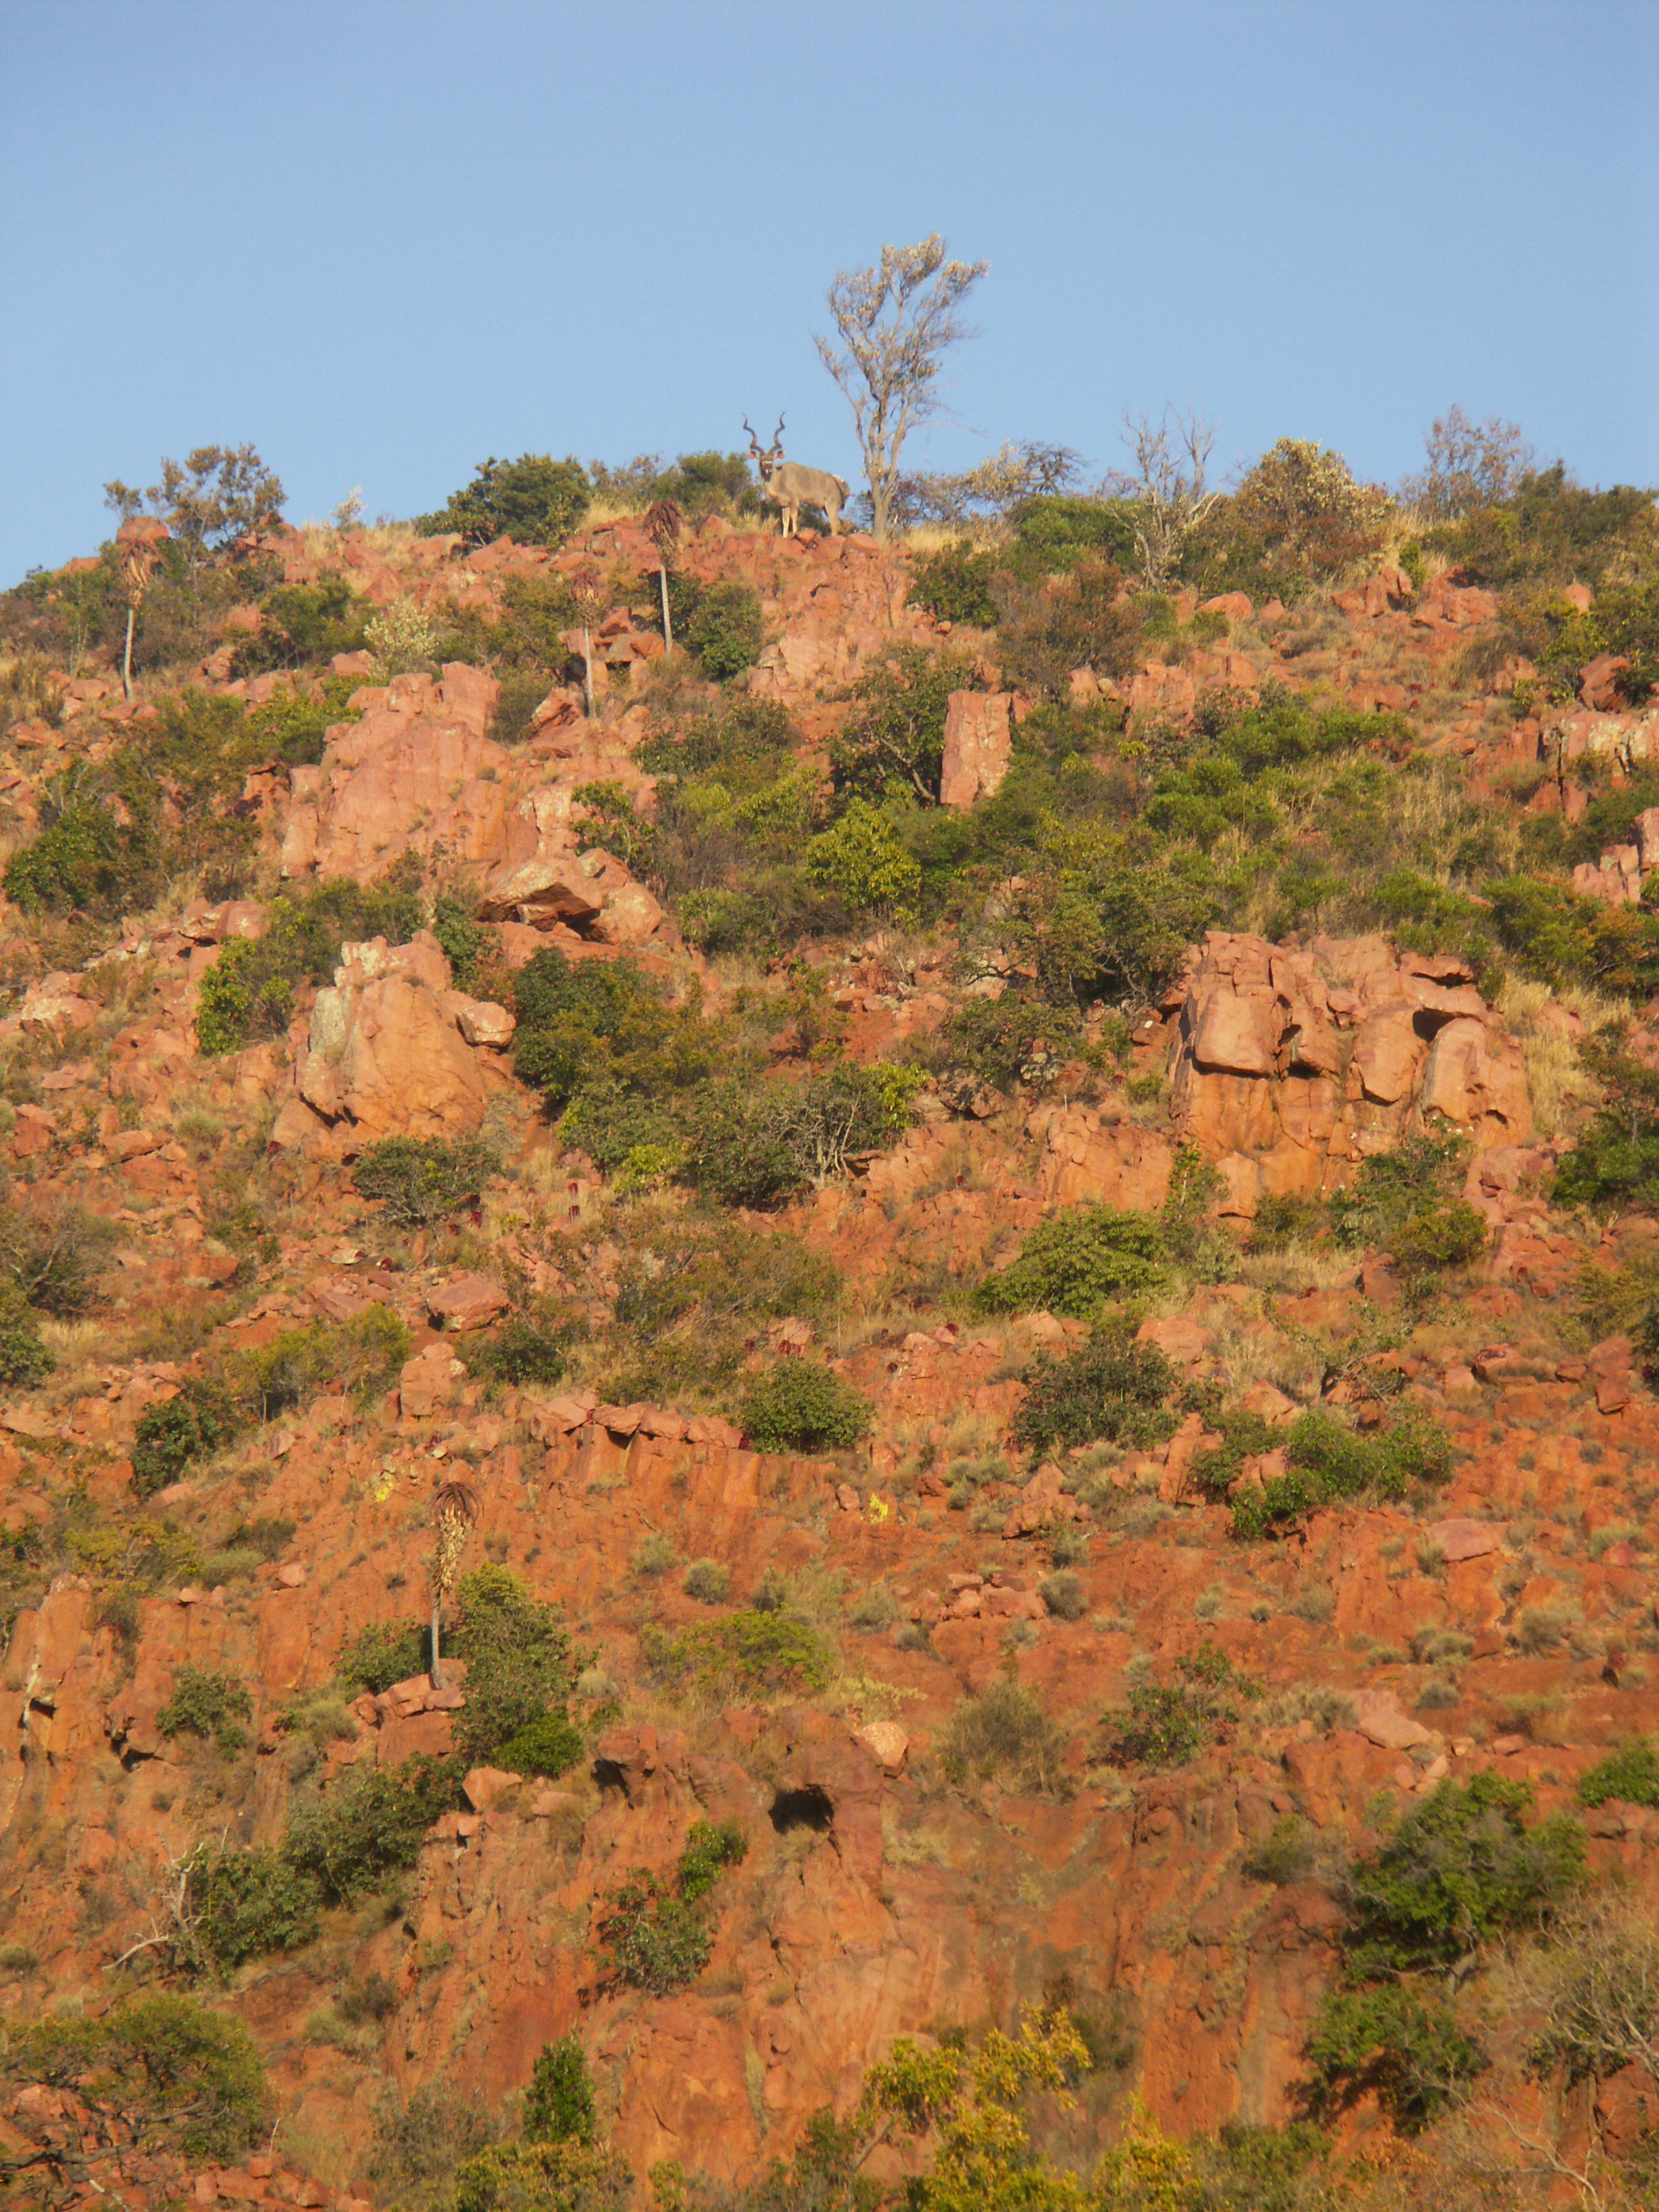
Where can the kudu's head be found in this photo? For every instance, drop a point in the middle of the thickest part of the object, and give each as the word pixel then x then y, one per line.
pixel 767 459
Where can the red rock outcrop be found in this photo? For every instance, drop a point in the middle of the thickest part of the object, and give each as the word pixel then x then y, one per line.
pixel 1290 1065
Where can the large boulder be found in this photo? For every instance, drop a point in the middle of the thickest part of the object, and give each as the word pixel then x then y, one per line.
pixel 1293 1063
pixel 385 1055
pixel 978 741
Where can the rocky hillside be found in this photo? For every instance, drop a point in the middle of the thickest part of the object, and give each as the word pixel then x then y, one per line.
pixel 986 1237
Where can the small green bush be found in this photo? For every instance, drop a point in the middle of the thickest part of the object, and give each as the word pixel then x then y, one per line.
pixel 1405 2048
pixel 1064 1595
pixel 796 1406
pixel 1630 1773
pixel 24 1356
pixel 249 992
pixel 517 1353
pixel 365 1353
pixel 1111 1387
pixel 1166 1724
pixel 863 859
pixel 559 2105
pixel 178 2075
pixel 1460 1869
pixel 421 1180
pixel 954 583
pixel 86 859
pixel 709 1582
pixel 384 1652
pixel 1285 1854
pixel 572 2176
pixel 551 1746
pixel 710 1848
pixel 174 1433
pixel 206 1703
pixel 1074 1262
pixel 535 500
pixel 1328 1462
pixel 726 632
pixel 653 1939
pixel 893 738
pixel 370 1825
pixel 747 1652
pixel 1003 1731
pixel 246 1903
pixel 521 1664
pixel 603 1025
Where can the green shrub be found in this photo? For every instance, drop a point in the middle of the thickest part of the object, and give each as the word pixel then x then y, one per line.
pixel 246 1903
pixel 545 2177
pixel 894 736
pixel 1630 1773
pixel 710 1848
pixel 173 1434
pixel 517 1353
pixel 653 1939
pixel 1055 531
pixel 1460 1869
pixel 996 1040
pixel 1407 2049
pixel 1111 1387
pixel 1166 1724
pixel 54 1253
pixel 249 992
pixel 1064 1595
pixel 747 1653
pixel 86 859
pixel 370 1825
pixel 1285 1854
pixel 24 1357
pixel 521 1664
pixel 178 2075
pixel 384 1652
pixel 797 1406
pixel 303 624
pixel 709 1582
pixel 1328 1462
pixel 422 1179
pixel 862 858
pixel 724 632
pixel 751 1144
pixel 596 1024
pixel 206 1703
pixel 1442 1236
pixel 1003 1731
pixel 954 583
pixel 365 1353
pixel 559 2105
pixel 535 500
pixel 549 1746
pixel 1074 1261
pixel 420 2142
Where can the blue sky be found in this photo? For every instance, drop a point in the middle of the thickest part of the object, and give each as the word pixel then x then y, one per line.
pixel 383 240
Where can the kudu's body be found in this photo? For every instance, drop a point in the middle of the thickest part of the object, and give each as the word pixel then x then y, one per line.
pixel 789 487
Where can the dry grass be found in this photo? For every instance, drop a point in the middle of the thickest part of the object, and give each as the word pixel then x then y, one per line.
pixel 1562 1093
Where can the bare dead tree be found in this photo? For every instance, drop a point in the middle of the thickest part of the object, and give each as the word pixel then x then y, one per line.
pixel 897 322
pixel 1167 485
pixel 455 1509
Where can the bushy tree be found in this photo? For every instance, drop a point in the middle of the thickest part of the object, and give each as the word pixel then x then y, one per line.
pixel 535 500
pixel 796 1405
pixel 209 501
